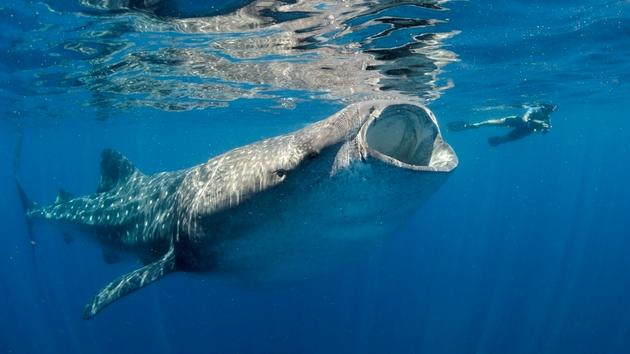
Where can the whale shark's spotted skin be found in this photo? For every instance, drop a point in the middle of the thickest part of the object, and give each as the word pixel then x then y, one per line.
pixel 130 214
pixel 269 210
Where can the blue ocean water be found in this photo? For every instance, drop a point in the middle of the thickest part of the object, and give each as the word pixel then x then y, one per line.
pixel 523 250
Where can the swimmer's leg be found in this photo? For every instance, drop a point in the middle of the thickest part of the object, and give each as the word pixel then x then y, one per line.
pixel 505 121
pixel 462 125
pixel 497 122
pixel 458 126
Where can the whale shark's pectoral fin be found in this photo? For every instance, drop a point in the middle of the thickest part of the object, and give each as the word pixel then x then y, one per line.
pixel 131 282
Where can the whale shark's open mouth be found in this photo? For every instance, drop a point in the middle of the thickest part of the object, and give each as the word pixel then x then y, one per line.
pixel 407 136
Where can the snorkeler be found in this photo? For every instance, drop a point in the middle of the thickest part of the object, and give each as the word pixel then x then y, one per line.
pixel 536 119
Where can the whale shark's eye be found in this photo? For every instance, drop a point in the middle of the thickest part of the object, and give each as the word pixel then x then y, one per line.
pixel 281 173
pixel 312 154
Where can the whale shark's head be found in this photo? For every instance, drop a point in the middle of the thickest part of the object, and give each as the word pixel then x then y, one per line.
pixel 374 155
pixel 400 135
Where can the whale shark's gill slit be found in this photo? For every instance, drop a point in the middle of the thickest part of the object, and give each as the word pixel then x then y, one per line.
pixel 403 133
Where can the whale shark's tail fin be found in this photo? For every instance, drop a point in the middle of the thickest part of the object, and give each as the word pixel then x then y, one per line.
pixel 131 282
pixel 26 203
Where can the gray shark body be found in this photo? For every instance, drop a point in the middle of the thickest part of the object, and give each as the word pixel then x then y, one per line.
pixel 278 208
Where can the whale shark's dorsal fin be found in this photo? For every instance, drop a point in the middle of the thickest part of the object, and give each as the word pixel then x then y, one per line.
pixel 131 282
pixel 115 170
pixel 63 196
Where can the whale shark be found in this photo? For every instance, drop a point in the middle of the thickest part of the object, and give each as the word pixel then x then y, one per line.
pixel 275 209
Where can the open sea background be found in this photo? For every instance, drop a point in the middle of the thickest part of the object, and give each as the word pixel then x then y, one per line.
pixel 525 249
